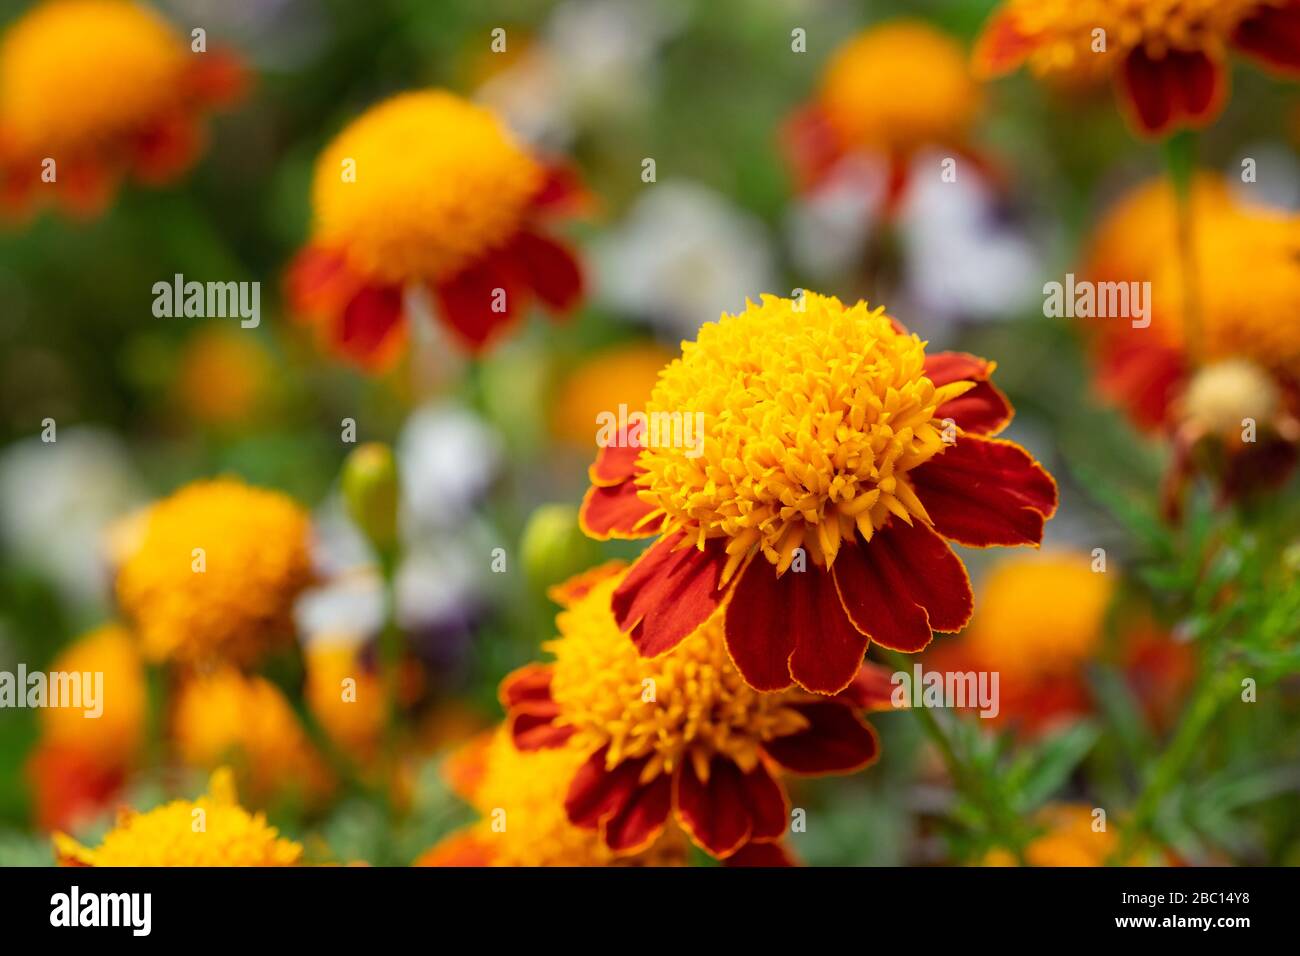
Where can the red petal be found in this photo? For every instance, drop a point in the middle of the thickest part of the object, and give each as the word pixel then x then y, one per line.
pixel 217 78
pixel 561 192
pixel 872 688
pixel 669 592
pixel 616 462
pixel 1143 378
pixel 468 300
pixel 811 146
pixel 985 491
pixel 1179 88
pixel 568 592
pixel 836 740
pixel 927 571
pixel 767 854
pixel 732 808
pixel 528 684
pixel 319 282
pixel 371 319
pixel 983 410
pixel 1272 36
pixel 166 149
pixel 85 189
pixel 596 794
pixel 549 269
pixel 1001 46
pixel 641 820
pixel 615 512
pixel 532 727
pixel 876 597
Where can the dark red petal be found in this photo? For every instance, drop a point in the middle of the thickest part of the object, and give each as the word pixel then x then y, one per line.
pixel 319 283
pixel 1272 36
pixel 468 301
pixel 877 600
pixel 929 572
pixel 642 818
pixel 1179 88
pixel 166 149
pixel 983 410
pixel 528 684
pixel 768 853
pixel 616 462
pixel 760 626
pixel 561 192
pixel 597 794
pixel 1143 378
pixel 810 145
pixel 985 491
pixel 836 740
pixel 532 727
pixel 669 592
pixel 715 814
pixel 765 799
pixel 615 512
pixel 1001 46
pixel 217 78
pixel 549 269
pixel 370 319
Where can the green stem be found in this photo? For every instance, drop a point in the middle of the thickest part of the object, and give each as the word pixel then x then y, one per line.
pixel 1180 166
pixel 1000 823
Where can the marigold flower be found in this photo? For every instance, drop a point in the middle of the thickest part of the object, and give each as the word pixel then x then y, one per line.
pixel 213 830
pixel 105 88
pixel 1067 838
pixel 1201 373
pixel 223 376
pixel 353 714
pixel 890 91
pixel 520 797
pixel 215 573
pixel 115 736
pixel 429 190
pixel 225 717
pixel 680 734
pixel 819 506
pixel 1168 58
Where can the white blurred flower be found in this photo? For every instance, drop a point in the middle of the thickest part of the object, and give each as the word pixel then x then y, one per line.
pixel 682 257
pixel 447 457
pixel 593 61
pixel 57 500
pixel 1276 176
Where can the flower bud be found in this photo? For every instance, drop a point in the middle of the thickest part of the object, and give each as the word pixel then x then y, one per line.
pixel 553 547
pixel 370 490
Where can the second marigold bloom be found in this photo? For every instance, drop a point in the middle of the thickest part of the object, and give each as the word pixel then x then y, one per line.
pixel 837 462
pixel 427 190
pixel 215 572
pixel 1167 57
pixel 682 735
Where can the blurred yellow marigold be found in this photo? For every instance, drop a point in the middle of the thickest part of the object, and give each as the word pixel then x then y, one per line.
pixel 345 695
pixel 1069 837
pixel 216 572
pixel 213 830
pixel 899 87
pixel 222 376
pixel 622 375
pixel 101 87
pixel 225 717
pixel 520 798
pixel 113 738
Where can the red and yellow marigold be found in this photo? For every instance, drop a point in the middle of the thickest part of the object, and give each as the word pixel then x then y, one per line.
pixel 837 462
pixel 213 830
pixel 429 191
pixel 1168 58
pixel 106 89
pixel 680 736
pixel 215 571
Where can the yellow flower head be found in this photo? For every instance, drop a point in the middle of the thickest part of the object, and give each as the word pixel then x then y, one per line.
pixel 76 73
pixel 520 798
pixel 225 717
pixel 1040 614
pixel 223 374
pixel 899 87
pixel 438 182
pixel 1070 836
pixel 216 572
pixel 1065 45
pixel 115 736
pixel 688 704
pixel 213 830
pixel 813 413
pixel 345 695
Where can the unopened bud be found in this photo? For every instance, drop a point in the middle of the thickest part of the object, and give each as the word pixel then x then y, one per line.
pixel 554 548
pixel 370 490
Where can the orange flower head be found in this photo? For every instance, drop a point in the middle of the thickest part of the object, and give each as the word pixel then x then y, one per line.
pixel 428 190
pixel 222 377
pixel 102 87
pixel 213 830
pixel 899 87
pixel 345 696
pixel 520 799
pixel 215 573
pixel 809 459
pixel 681 732
pixel 622 375
pixel 1168 57
pixel 1070 835
pixel 225 717
pixel 115 736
